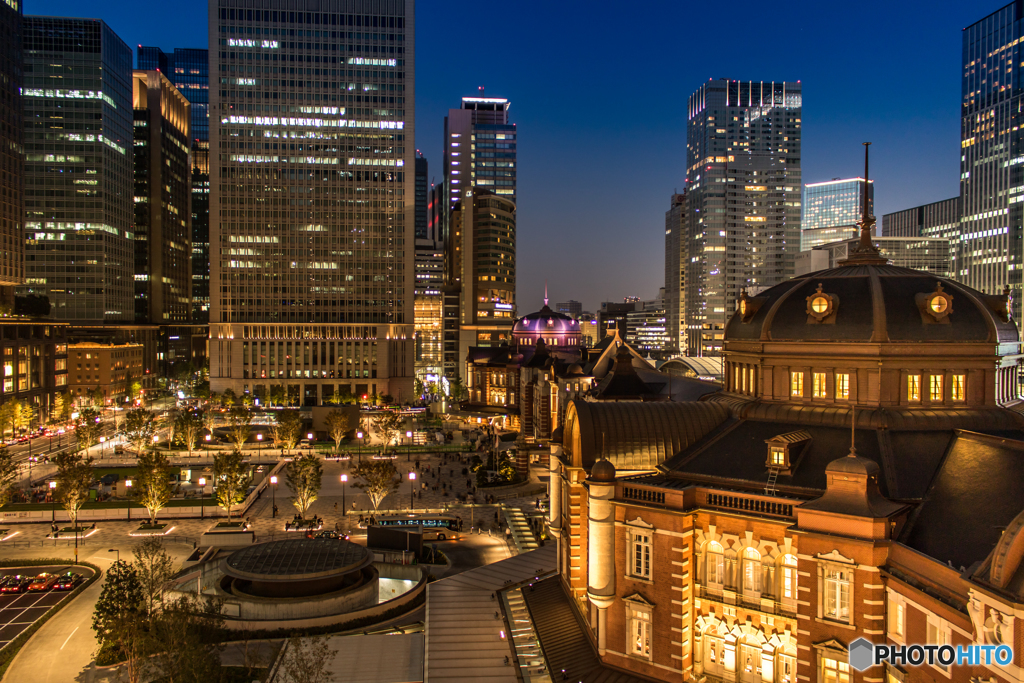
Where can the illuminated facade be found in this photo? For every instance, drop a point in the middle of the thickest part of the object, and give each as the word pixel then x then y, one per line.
pixel 677 267
pixel 188 69
pixel 928 254
pixel 992 155
pixel 830 211
pixel 163 215
pixel 78 170
pixel 480 148
pixel 311 202
pixel 12 152
pixel 743 193
pixel 647 329
pixel 938 220
pixel 429 300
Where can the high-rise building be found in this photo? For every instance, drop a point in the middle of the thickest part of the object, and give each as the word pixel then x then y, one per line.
pixel 646 328
pixel 743 194
pixel 480 277
pixel 928 254
pixel 992 148
pixel 79 248
pixel 12 152
pixel 312 232
pixel 480 148
pixel 677 264
pixel 612 316
pixel 188 69
pixel 830 210
pixel 571 308
pixel 422 185
pixel 429 299
pixel 163 215
pixel 938 220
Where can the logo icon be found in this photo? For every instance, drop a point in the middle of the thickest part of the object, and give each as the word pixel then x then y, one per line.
pixel 862 654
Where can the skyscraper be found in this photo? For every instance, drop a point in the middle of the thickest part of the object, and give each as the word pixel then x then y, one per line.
pixel 422 185
pixel 163 216
pixel 743 193
pixel 571 308
pixel 188 69
pixel 429 286
pixel 311 202
pixel 938 220
pixel 831 210
pixel 78 169
pixel 992 148
pixel 677 264
pixel 480 148
pixel 12 152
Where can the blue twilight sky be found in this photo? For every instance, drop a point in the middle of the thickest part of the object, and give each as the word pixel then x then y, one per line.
pixel 599 92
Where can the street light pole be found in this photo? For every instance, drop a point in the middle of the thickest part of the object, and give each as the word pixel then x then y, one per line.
pixel 259 447
pixel 408 446
pixel 412 493
pixel 344 485
pixel 202 490
pixel 115 550
pixel 53 503
pixel 273 482
pixel 128 495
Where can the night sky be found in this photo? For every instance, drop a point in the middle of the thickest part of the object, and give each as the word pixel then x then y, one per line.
pixel 599 92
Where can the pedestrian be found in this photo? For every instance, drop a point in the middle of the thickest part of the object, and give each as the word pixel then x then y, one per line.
pixel 335 506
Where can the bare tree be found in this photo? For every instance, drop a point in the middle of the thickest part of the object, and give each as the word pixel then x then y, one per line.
pixel 307 660
pixel 387 425
pixel 239 421
pixel 338 424
pixel 305 475
pixel 378 479
pixel 154 568
pixel 139 428
pixel 188 427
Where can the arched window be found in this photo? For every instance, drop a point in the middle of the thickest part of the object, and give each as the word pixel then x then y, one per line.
pixel 787 582
pixel 751 572
pixel 715 566
pixel 714 653
pixel 748 664
pixel 785 665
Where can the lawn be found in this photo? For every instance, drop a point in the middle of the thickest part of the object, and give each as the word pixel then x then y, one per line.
pixel 110 505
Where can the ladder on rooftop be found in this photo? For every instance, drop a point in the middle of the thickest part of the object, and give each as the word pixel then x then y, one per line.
pixel 773 475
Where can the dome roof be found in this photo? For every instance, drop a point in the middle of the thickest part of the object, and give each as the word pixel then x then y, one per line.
pixel 546 321
pixel 603 471
pixel 872 302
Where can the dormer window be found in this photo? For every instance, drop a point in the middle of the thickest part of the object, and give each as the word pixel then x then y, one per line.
pixel 784 449
pixel 778 457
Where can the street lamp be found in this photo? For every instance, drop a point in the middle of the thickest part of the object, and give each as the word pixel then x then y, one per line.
pixel 115 550
pixel 359 437
pixel 53 503
pixel 412 494
pixel 202 490
pixel 128 485
pixel 344 485
pixel 408 446
pixel 273 481
pixel 103 440
pixel 259 446
pixel 309 436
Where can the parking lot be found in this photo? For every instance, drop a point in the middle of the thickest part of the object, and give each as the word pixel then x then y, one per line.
pixel 18 611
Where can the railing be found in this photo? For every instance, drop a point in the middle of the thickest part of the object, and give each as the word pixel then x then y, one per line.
pixel 757 504
pixel 645 495
pixel 767 604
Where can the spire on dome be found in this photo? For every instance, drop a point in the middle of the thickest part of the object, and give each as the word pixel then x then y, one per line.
pixel 545 292
pixel 865 253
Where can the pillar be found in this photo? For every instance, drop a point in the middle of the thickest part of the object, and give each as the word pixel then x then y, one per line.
pixel 601 554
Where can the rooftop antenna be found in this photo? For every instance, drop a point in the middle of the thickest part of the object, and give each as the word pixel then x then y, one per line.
pixel 865 225
pixel 482 92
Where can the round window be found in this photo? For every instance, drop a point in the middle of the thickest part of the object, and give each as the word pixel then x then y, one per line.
pixel 743 307
pixel 938 304
pixel 819 304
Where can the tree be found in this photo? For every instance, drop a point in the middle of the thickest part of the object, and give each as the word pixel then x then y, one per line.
pixel 232 477
pixel 88 427
pixel 24 415
pixel 307 660
pixel 288 429
pixel 139 428
pixel 117 619
pixel 228 398
pixel 189 630
pixel 456 389
pixel 132 387
pixel 239 420
pixel 276 395
pixel 418 386
pixel 188 427
pixel 57 411
pixel 209 417
pixel 74 477
pixel 97 398
pixel 334 399
pixel 305 475
pixel 154 482
pixel 7 416
pixel 387 425
pixel 378 479
pixel 8 475
pixel 338 424
pixel 154 568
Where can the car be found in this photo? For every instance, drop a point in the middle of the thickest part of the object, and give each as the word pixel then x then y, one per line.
pixel 67 581
pixel 15 583
pixel 43 582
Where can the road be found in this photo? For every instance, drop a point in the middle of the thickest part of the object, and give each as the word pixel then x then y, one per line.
pixel 18 611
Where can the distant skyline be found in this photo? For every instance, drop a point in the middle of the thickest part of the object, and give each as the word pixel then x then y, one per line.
pixel 599 94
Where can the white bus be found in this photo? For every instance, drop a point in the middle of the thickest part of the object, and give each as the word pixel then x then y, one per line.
pixel 433 527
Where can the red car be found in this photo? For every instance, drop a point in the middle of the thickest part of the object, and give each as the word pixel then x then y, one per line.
pixel 43 582
pixel 67 581
pixel 16 583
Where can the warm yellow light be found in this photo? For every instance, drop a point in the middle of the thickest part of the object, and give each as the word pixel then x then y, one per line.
pixel 938 304
pixel 819 304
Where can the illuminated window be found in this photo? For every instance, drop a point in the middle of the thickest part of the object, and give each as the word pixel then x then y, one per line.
pixel 819 385
pixel 959 388
pixel 938 633
pixel 776 456
pixel 787 582
pixel 787 668
pixel 935 387
pixel 842 386
pixel 640 554
pixel 819 304
pixel 834 671
pixel 751 571
pixel 639 632
pixel 796 383
pixel 897 614
pixel 913 387
pixel 716 566
pixel 836 598
pixel 938 304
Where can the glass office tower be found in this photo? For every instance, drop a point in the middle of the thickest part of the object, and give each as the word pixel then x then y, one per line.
pixel 831 211
pixel 78 169
pixel 992 155
pixel 12 152
pixel 188 69
pixel 743 193
pixel 312 200
pixel 480 148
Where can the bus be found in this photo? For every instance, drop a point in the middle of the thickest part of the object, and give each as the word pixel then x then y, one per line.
pixel 433 527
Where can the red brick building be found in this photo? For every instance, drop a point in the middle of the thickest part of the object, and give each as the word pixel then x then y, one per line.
pixel 751 536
